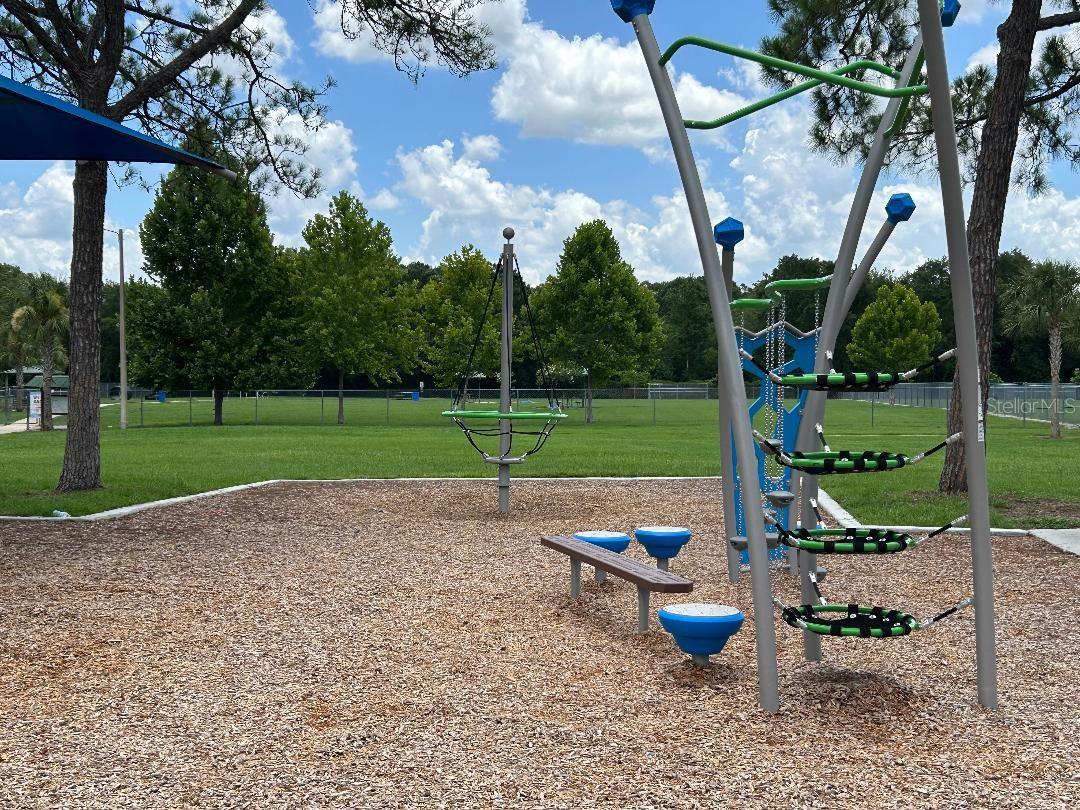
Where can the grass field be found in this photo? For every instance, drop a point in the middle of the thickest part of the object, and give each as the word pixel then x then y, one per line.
pixel 1027 482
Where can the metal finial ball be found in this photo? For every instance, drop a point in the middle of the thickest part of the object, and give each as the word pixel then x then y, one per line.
pixel 508 234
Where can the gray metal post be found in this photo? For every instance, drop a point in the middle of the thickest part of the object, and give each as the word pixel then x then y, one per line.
pixel 506 357
pixel 967 366
pixel 663 563
pixel 730 367
pixel 643 609
pixel 859 276
pixel 599 576
pixel 123 339
pixel 814 410
pixel 575 579
pixel 727 463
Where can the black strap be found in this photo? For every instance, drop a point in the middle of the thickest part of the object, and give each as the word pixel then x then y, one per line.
pixel 460 396
pixel 537 343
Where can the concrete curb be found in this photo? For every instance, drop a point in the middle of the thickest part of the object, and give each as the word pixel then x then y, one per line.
pixel 1067 540
pixel 124 511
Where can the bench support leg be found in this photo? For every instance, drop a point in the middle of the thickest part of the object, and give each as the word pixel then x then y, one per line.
pixel 575 579
pixel 643 609
pixel 700 660
pixel 601 576
pixel 662 563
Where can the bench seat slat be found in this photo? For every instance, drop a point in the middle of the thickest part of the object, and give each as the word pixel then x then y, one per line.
pixel 640 574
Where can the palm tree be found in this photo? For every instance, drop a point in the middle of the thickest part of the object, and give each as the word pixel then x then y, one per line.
pixel 13 348
pixel 42 321
pixel 1045 300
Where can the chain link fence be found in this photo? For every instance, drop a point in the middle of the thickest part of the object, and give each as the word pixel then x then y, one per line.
pixel 1023 401
pixel 688 406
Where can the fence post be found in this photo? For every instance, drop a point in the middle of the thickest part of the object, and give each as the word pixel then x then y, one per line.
pixel 654 411
pixel 388 406
pixel 142 411
pixel 190 421
pixel 322 407
pixel 871 411
pixel 256 409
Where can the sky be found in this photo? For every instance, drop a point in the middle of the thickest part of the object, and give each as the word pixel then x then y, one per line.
pixel 567 129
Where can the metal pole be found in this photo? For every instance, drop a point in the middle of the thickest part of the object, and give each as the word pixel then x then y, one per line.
pixel 967 367
pixel 506 354
pixel 729 366
pixel 727 462
pixel 643 609
pixel 859 276
pixel 123 340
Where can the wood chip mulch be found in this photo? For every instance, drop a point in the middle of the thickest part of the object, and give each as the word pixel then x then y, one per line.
pixel 394 644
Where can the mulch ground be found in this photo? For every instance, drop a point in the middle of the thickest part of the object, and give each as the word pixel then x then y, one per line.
pixel 401 645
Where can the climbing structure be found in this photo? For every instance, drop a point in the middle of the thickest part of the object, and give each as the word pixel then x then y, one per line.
pixel 810 455
pixel 509 424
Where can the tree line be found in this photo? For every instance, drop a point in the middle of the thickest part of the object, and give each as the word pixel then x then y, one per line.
pixel 223 307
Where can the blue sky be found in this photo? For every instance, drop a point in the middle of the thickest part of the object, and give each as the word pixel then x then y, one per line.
pixel 566 130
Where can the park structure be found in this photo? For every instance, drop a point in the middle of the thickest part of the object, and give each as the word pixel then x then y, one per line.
pixel 811 455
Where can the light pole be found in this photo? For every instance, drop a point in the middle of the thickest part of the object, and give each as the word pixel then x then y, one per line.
pixel 123 336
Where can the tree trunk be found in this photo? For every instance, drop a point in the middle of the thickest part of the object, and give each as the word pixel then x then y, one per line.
pixel 588 399
pixel 341 397
pixel 219 400
pixel 46 385
pixel 1055 378
pixel 993 176
pixel 82 453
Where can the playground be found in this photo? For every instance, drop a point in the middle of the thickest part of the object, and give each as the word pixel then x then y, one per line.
pixel 389 644
pixel 639 618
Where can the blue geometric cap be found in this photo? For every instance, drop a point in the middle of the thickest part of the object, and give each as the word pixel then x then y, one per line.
pixel 900 207
pixel 729 233
pixel 628 9
pixel 950 10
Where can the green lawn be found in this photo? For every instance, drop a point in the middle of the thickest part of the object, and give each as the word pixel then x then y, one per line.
pixel 1027 482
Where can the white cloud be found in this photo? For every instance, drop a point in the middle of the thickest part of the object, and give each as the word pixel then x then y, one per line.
pixel 503 20
pixel 481 148
pixel 466 204
pixel 330 149
pixel 986 55
pixel 592 90
pixel 35 227
pixel 384 200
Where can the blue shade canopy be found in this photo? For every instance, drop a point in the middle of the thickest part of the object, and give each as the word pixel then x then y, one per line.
pixel 36 126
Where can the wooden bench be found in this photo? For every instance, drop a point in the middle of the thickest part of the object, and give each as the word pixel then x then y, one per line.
pixel 645 577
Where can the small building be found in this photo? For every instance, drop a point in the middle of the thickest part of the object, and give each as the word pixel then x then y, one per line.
pixel 11 375
pixel 60 386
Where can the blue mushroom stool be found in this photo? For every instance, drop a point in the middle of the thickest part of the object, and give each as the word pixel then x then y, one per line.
pixel 612 541
pixel 701 630
pixel 662 542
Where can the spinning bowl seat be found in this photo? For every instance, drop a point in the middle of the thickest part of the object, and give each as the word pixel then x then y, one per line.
pixel 612 541
pixel 662 542
pixel 701 630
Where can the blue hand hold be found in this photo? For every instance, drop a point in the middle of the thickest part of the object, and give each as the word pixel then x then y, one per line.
pixel 949 12
pixel 628 9
pixel 900 207
pixel 729 233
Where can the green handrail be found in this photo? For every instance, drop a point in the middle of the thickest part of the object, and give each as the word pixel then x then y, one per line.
pixel 775 290
pixel 836 77
pixel 905 104
pixel 749 109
